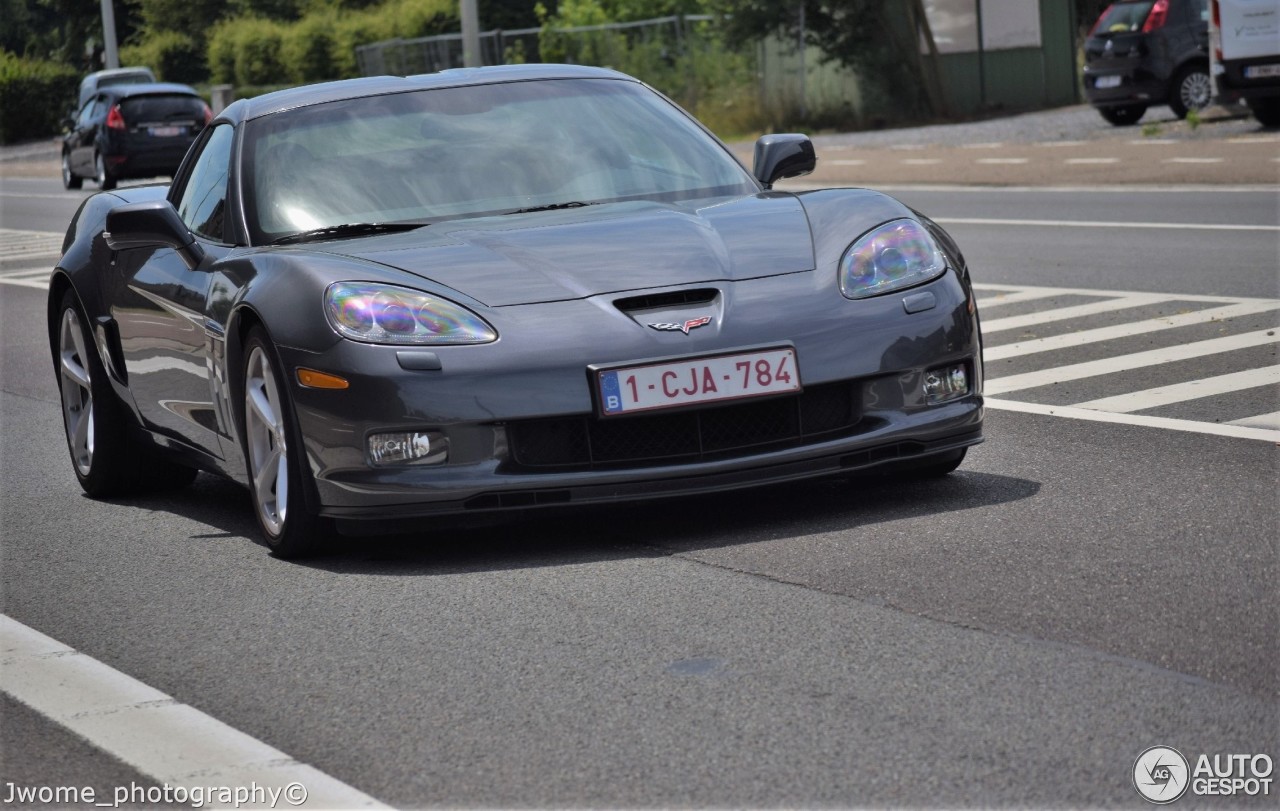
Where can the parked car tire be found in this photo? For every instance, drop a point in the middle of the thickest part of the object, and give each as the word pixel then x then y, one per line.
pixel 1267 111
pixel 1125 115
pixel 1192 90
pixel 104 179
pixel 273 458
pixel 70 180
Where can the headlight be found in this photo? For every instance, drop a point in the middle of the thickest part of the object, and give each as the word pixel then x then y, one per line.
pixel 896 255
pixel 383 314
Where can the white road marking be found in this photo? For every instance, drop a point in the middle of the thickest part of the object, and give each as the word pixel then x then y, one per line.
pixel 1094 292
pixel 1089 336
pixel 1152 141
pixel 1189 390
pixel 920 161
pixel 1175 226
pixel 1192 160
pixel 987 145
pixel 1017 297
pixel 1061 143
pixel 907 146
pixel 1271 421
pixel 37 278
pixel 1004 161
pixel 1137 360
pixel 1071 412
pixel 150 731
pixel 847 162
pixel 1080 161
pixel 1077 311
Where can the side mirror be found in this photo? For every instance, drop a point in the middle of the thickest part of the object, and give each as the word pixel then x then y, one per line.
pixel 783 156
pixel 68 124
pixel 151 224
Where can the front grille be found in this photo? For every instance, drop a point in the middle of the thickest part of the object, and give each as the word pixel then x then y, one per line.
pixel 817 414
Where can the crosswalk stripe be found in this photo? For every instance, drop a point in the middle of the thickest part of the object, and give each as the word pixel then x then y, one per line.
pixel 1175 226
pixel 1065 313
pixel 1094 292
pixel 41 284
pixel 1190 390
pixel 1271 421
pixel 987 302
pixel 1137 360
pixel 1088 336
pixel 1143 420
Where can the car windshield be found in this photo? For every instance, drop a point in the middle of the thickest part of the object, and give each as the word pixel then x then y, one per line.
pixel 439 154
pixel 1123 17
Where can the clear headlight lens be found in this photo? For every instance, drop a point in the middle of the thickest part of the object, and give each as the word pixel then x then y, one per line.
pixel 894 256
pixel 384 314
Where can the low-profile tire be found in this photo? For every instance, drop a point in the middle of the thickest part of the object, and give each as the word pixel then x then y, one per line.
pixel 1192 89
pixel 273 460
pixel 1124 115
pixel 70 180
pixel 105 461
pixel 1267 111
pixel 101 174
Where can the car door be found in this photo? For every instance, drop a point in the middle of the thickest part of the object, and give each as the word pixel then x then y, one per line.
pixel 160 309
pixel 82 137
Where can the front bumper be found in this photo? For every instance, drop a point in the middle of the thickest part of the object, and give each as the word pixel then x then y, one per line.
pixel 538 370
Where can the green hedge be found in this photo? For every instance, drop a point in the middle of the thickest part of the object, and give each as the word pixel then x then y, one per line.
pixel 173 56
pixel 320 46
pixel 34 97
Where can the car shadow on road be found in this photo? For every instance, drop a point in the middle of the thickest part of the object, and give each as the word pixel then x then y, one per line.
pixel 666 527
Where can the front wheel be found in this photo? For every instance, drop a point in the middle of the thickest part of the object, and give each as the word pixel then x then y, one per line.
pixel 70 180
pixel 103 178
pixel 274 465
pixel 1192 90
pixel 1125 115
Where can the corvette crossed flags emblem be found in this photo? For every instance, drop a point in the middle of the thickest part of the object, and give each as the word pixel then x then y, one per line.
pixel 692 323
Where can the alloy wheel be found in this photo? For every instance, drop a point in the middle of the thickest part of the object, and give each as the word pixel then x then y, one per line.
pixel 1195 91
pixel 265 434
pixel 77 391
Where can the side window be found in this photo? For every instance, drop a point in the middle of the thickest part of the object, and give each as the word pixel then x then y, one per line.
pixel 86 115
pixel 204 200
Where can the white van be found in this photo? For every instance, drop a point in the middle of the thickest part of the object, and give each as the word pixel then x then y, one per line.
pixel 1244 53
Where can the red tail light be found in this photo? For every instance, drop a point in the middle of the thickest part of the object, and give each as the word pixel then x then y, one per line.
pixel 208 115
pixel 1098 21
pixel 115 120
pixel 1158 17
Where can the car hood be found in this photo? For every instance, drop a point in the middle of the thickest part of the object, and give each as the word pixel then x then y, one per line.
pixel 575 253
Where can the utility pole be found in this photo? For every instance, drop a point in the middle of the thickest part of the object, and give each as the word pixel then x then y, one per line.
pixel 109 34
pixel 470 34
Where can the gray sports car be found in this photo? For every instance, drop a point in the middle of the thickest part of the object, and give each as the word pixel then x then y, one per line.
pixel 380 300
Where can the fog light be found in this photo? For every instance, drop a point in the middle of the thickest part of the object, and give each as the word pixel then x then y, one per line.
pixel 409 448
pixel 946 383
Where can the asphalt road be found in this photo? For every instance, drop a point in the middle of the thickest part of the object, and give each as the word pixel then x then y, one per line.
pixel 1013 635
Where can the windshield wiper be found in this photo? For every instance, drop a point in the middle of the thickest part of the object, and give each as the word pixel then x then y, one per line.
pixel 351 229
pixel 552 207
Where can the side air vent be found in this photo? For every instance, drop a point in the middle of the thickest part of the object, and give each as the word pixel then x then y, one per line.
pixel 676 298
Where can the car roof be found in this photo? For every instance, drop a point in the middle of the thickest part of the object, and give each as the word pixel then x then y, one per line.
pixel 247 109
pixel 104 74
pixel 149 89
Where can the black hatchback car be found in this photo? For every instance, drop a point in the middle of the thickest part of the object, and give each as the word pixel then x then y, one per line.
pixel 132 131
pixel 1146 52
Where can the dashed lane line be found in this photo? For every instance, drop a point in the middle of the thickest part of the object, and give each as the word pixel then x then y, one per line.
pixel 171 742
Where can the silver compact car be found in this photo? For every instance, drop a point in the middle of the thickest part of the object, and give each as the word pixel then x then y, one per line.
pixel 381 300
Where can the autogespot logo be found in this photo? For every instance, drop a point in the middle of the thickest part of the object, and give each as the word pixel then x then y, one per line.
pixel 1161 774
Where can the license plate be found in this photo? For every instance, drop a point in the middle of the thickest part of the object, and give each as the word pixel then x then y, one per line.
pixel 1261 71
pixel 1104 82
pixel 164 132
pixel 701 380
